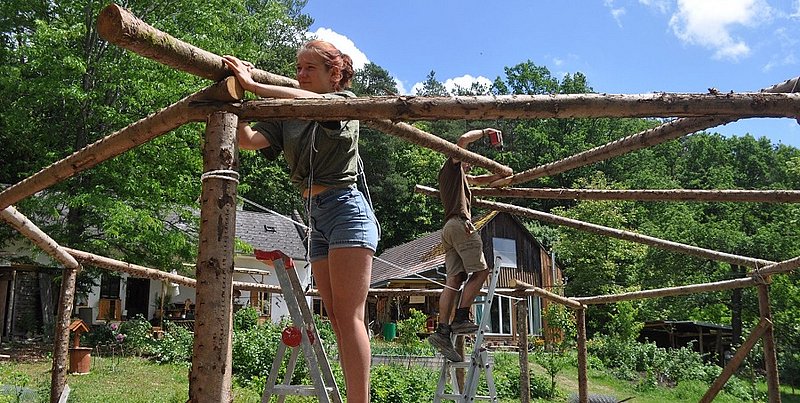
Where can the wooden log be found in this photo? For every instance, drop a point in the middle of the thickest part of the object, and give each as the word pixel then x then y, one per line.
pixel 115 144
pixel 726 195
pixel 522 347
pixel 647 138
pixel 27 228
pixel 670 291
pixel 614 233
pixel 780 267
pixel 211 371
pixel 419 137
pixel 118 26
pixel 583 383
pixel 770 353
pixel 410 108
pixel 520 285
pixel 736 361
pixel 155 274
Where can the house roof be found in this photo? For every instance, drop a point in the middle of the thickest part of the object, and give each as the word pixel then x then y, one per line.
pixel 414 257
pixel 266 231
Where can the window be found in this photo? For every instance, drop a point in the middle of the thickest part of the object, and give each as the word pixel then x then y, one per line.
pixel 262 301
pixel 535 315
pixel 109 286
pixel 499 314
pixel 506 250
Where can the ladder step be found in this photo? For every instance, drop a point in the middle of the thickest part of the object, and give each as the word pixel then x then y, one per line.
pixel 301 390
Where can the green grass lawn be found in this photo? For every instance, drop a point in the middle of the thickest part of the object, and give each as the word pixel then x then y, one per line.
pixel 135 380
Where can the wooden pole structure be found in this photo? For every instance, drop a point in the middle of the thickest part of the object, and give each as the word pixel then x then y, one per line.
pixel 210 376
pixel 410 108
pixel 116 143
pixel 583 383
pixel 669 291
pixel 522 348
pixel 614 233
pixel 770 354
pixel 118 26
pixel 758 196
pixel 736 361
pixel 154 274
pixel 58 376
pixel 668 131
pixel 521 285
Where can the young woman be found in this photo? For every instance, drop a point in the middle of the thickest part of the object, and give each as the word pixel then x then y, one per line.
pixel 324 164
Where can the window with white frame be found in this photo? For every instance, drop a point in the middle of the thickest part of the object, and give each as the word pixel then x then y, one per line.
pixel 506 250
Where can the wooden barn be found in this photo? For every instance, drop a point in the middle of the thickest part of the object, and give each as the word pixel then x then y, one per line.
pixel 419 264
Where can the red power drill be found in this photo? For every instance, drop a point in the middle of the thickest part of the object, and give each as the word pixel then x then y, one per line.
pixel 495 138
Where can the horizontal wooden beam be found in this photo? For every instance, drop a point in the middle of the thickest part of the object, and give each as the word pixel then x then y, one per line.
pixel 720 195
pixel 410 108
pixel 612 232
pixel 531 289
pixel 669 291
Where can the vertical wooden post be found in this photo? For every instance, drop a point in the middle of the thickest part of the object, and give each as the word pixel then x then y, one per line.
pixel 58 379
pixel 210 378
pixel 583 384
pixel 522 347
pixel 770 356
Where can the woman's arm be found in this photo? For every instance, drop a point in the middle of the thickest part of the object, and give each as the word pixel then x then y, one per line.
pixel 250 139
pixel 241 70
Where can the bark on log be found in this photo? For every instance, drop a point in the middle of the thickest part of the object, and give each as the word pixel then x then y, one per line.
pixel 400 108
pixel 66 297
pixel 647 138
pixel 118 26
pixel 116 143
pixel 669 291
pixel 612 232
pixel 583 380
pixel 770 353
pixel 419 137
pixel 521 285
pixel 757 196
pixel 522 347
pixel 211 372
pixel 736 361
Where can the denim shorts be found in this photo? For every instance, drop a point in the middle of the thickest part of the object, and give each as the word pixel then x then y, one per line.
pixel 341 218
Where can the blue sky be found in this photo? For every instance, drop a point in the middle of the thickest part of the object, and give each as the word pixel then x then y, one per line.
pixel 622 46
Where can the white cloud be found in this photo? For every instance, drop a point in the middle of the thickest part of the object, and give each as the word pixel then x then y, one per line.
pixel 344 44
pixel 796 13
pixel 616 12
pixel 400 87
pixel 661 5
pixel 450 84
pixel 708 23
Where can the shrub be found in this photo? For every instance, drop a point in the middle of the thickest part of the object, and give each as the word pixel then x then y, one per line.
pixel 408 329
pixel 174 346
pixel 138 337
pixel 396 383
pixel 245 318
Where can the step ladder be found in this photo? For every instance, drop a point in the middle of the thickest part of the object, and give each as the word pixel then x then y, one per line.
pixel 479 360
pixel 323 384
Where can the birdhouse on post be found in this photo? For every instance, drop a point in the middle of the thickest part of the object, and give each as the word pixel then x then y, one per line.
pixel 77 327
pixel 80 358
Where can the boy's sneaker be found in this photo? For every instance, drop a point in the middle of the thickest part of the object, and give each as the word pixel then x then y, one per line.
pixel 444 345
pixel 464 326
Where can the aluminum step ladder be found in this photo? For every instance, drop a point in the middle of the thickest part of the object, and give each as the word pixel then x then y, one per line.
pixel 479 360
pixel 323 386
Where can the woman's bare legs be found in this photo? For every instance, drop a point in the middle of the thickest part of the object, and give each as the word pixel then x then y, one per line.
pixel 343 282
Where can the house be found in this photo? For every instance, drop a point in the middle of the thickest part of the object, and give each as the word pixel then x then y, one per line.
pixel 419 264
pixel 120 296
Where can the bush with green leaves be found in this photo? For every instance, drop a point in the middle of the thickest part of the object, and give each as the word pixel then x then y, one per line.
pixel 245 318
pixel 138 338
pixel 174 346
pixel 398 383
pixel 408 329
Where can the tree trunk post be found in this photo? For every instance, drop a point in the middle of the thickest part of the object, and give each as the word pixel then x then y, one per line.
pixel 583 384
pixel 210 377
pixel 522 346
pixel 770 356
pixel 58 379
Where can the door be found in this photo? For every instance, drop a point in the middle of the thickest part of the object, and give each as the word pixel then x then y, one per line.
pixel 137 297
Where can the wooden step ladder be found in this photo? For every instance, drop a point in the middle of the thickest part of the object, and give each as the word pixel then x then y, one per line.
pixel 479 361
pixel 323 384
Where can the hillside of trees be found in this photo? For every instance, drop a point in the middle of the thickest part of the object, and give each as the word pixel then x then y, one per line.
pixel 64 88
